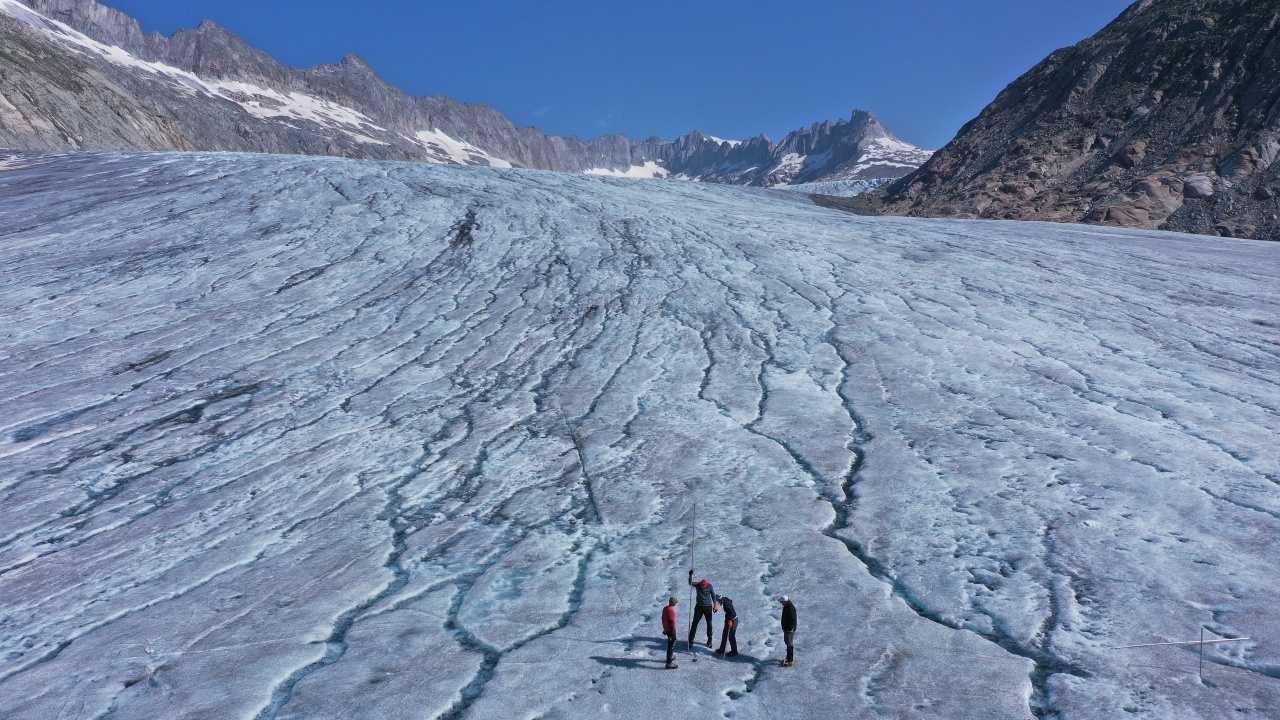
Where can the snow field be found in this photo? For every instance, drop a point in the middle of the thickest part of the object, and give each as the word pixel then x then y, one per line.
pixel 290 437
pixel 648 170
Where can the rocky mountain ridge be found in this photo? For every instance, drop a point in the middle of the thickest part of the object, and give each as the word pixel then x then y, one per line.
pixel 206 89
pixel 859 148
pixel 1168 118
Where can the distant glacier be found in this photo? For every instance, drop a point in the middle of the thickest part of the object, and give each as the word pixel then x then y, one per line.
pixel 838 188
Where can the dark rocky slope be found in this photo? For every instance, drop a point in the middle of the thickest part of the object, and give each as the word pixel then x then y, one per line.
pixel 1168 118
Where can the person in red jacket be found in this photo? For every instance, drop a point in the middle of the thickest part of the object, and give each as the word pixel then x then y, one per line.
pixel 669 629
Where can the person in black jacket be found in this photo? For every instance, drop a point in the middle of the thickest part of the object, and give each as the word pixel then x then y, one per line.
pixel 705 605
pixel 730 632
pixel 789 630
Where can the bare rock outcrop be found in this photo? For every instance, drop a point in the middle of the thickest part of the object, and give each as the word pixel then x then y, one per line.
pixel 1168 118
pixel 51 100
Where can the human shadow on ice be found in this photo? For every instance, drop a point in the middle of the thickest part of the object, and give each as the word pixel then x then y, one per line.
pixel 638 663
pixel 658 645
pixel 655 645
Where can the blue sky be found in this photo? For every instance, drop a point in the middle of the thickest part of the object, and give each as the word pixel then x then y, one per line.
pixel 666 67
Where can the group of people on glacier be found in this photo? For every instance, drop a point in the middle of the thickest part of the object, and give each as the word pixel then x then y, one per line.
pixel 706 604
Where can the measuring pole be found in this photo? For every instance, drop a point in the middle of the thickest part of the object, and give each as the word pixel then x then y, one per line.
pixel 693 554
pixel 1201 653
pixel 1188 642
pixel 1201 642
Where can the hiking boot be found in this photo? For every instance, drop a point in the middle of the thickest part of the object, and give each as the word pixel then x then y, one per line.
pixel 672 665
pixel 788 663
pixel 731 653
pixel 708 642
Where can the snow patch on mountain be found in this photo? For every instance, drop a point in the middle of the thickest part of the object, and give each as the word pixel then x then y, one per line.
pixel 883 158
pixel 266 103
pixel 29 16
pixel 648 170
pixel 446 149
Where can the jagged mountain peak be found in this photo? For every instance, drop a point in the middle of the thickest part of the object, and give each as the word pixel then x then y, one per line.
pixel 699 136
pixel 861 127
pixel 353 60
pixel 859 148
pixel 205 88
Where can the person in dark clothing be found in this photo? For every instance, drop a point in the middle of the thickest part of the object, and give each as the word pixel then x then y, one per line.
pixel 789 630
pixel 730 632
pixel 705 605
pixel 669 629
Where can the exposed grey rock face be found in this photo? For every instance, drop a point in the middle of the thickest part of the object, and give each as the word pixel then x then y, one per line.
pixel 225 95
pixel 1169 118
pixel 102 23
pixel 207 89
pixel 50 99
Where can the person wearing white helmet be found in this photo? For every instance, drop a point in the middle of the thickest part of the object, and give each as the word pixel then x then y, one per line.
pixel 789 630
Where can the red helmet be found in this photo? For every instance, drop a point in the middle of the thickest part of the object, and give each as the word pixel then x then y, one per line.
pixel 703 583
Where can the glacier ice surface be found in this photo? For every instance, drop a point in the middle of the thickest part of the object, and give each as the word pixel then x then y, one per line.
pixel 287 437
